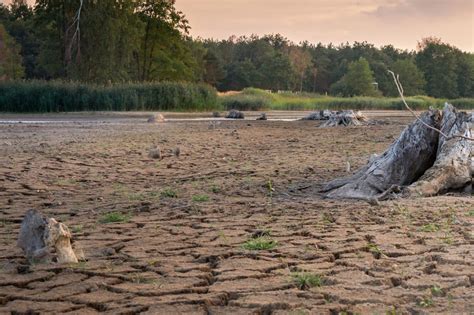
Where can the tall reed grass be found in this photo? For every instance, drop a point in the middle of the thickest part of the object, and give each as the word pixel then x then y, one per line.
pixel 254 99
pixel 58 96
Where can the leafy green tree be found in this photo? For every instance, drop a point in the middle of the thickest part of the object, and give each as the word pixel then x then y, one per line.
pixel 162 47
pixel 10 58
pixel 411 78
pixel 439 65
pixel 276 72
pixel 300 60
pixel 213 69
pixel 240 75
pixel 358 81
pixel 465 74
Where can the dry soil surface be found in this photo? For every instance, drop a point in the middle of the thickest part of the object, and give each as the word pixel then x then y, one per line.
pixel 182 243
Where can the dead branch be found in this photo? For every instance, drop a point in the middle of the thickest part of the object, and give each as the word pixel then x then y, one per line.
pixel 398 84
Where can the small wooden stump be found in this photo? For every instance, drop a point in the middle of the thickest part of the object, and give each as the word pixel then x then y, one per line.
pixel 41 237
pixel 158 118
pixel 263 116
pixel 235 114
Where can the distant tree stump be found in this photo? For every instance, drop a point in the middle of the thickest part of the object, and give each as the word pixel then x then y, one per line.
pixel 40 237
pixel 345 118
pixel 158 118
pixel 235 114
pixel 341 118
pixel 421 162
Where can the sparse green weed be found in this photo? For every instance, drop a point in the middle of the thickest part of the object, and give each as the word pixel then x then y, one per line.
pixel 260 243
pixel 114 217
pixel 304 280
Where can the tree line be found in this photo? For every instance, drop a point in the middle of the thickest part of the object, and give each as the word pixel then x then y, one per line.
pixel 111 41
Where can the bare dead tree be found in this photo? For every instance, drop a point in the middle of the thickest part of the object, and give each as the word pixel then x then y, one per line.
pixel 76 37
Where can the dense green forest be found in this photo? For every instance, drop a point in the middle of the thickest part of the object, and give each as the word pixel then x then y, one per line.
pixel 117 41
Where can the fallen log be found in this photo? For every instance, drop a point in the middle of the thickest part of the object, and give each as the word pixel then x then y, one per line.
pixel 421 162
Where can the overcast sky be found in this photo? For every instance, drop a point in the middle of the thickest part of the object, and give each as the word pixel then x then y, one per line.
pixel 398 22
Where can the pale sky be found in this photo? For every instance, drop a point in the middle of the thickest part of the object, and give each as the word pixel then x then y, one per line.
pixel 398 22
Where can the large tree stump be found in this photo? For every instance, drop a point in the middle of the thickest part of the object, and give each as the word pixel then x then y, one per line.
pixel 420 162
pixel 40 237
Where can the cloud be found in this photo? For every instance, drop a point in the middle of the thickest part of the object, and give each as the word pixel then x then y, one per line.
pixel 425 8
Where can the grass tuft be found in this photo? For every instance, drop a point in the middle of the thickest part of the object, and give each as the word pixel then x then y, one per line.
pixel 169 193
pixel 200 198
pixel 305 281
pixel 260 243
pixel 431 227
pixel 114 217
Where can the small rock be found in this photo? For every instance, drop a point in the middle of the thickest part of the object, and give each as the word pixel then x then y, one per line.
pixel 216 114
pixel 177 152
pixel 108 251
pixel 23 269
pixel 263 116
pixel 155 153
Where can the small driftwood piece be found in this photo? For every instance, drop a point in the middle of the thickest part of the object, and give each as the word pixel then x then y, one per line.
pixel 41 237
pixel 263 116
pixel 158 118
pixel 235 114
pixel 421 162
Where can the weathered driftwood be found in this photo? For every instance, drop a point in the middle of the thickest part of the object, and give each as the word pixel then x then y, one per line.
pixel 157 118
pixel 321 115
pixel 346 118
pixel 340 118
pixel 420 162
pixel 235 114
pixel 40 237
pixel 155 153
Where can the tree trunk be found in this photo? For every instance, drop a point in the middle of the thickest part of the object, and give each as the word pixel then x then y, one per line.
pixel 420 162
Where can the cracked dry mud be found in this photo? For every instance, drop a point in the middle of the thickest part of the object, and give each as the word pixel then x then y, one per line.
pixel 184 255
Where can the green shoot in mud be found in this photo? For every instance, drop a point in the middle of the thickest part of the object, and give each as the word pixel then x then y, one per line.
pixel 305 281
pixel 374 249
pixel 471 213
pixel 260 243
pixel 114 217
pixel 200 198
pixel 392 311
pixel 216 189
pixel 169 193
pixel 436 291
pixel 431 227
pixel 77 228
pixel 426 302
pixel 270 188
